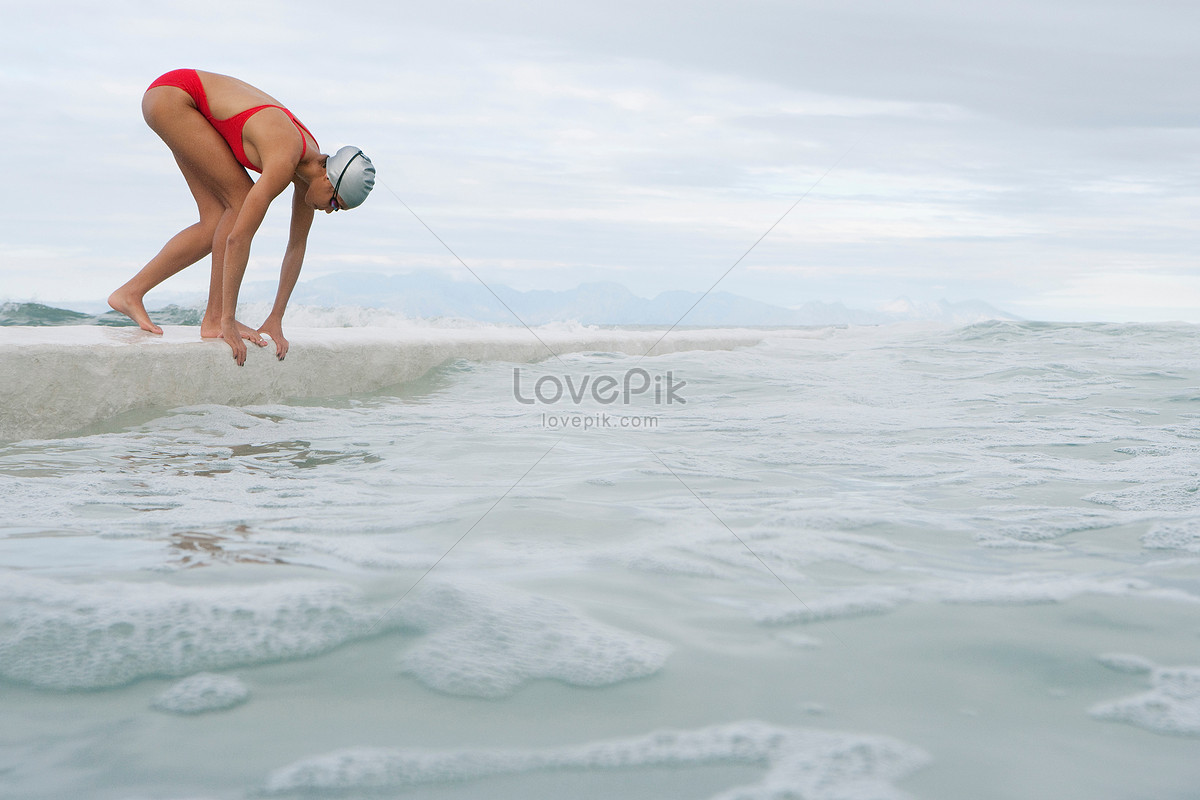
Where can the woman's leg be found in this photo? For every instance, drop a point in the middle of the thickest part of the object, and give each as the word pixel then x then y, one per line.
pixel 184 249
pixel 218 184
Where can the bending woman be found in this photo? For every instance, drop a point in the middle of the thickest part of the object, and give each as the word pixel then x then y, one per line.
pixel 215 125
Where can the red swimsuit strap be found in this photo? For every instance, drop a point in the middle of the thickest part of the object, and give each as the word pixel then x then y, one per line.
pixel 241 119
pixel 300 125
pixel 231 130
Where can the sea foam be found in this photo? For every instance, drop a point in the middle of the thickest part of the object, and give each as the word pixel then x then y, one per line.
pixel 202 692
pixel 1171 707
pixel 1127 663
pixel 94 635
pixel 1017 589
pixel 1182 534
pixel 487 642
pixel 476 640
pixel 800 763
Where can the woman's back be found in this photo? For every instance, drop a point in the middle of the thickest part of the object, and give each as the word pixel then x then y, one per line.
pixel 228 96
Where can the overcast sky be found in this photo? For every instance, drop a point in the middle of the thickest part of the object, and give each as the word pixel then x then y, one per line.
pixel 1042 156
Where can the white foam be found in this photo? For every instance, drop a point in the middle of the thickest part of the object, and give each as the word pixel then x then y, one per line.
pixel 800 763
pixel 1018 589
pixel 202 692
pixel 1164 497
pixel 1039 523
pixel 859 602
pixel 998 542
pixel 1183 534
pixel 487 642
pixel 1033 588
pixel 98 634
pixel 1124 662
pixel 306 316
pixel 479 640
pixel 1172 706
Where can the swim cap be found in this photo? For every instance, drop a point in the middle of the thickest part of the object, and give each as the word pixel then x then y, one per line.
pixel 352 175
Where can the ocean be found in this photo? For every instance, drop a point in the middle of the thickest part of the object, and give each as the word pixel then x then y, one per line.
pixel 850 562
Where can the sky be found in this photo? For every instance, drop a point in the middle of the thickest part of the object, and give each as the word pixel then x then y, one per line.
pixel 1041 156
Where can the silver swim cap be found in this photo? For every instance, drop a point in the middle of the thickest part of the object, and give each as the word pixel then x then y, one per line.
pixel 352 175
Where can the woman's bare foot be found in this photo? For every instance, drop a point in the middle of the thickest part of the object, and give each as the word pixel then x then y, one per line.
pixel 251 335
pixel 131 306
pixel 212 330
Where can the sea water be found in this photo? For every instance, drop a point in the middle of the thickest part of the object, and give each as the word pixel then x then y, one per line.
pixel 842 563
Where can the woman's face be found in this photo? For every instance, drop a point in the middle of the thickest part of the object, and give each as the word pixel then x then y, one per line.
pixel 320 196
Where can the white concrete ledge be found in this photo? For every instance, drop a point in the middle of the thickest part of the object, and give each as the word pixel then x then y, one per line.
pixel 54 380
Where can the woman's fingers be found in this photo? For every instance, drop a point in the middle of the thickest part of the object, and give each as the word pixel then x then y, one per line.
pixel 232 333
pixel 239 351
pixel 275 332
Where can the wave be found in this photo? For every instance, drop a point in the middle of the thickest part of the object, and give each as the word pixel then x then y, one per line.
pixel 1004 331
pixel 798 762
pixel 38 315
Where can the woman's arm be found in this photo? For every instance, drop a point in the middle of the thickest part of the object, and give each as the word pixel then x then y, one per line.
pixel 273 181
pixel 289 273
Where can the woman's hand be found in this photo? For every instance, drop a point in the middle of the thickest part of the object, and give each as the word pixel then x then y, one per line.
pixel 274 328
pixel 233 337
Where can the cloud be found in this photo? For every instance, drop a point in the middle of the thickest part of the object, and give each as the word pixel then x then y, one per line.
pixel 1006 151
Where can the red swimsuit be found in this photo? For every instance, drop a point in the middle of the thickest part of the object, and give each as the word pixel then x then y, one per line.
pixel 230 129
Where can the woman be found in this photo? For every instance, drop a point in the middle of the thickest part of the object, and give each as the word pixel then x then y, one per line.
pixel 215 125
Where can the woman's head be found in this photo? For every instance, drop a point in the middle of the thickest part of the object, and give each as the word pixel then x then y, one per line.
pixel 352 176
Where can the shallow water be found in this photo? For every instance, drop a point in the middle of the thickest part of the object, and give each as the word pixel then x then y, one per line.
pixel 855 563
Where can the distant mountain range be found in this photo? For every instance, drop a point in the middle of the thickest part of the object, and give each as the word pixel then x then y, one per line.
pixel 430 294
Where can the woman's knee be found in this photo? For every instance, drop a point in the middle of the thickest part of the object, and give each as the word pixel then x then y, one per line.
pixel 208 224
pixel 217 201
pixel 232 198
pixel 225 220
